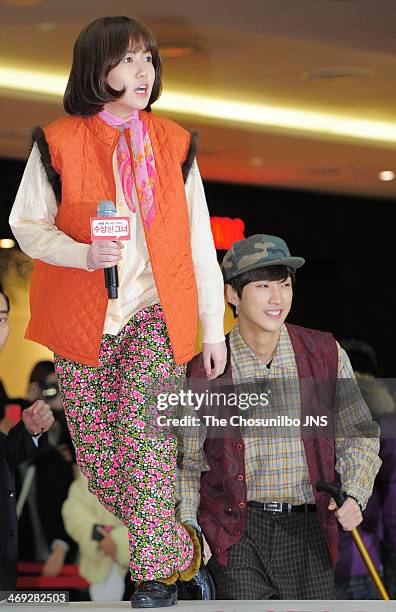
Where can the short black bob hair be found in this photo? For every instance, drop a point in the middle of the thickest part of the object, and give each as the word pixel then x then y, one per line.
pixel 100 46
pixel 270 273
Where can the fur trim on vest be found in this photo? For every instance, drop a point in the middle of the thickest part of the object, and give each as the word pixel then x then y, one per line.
pixel 53 176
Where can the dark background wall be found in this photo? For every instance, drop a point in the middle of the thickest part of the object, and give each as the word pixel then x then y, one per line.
pixel 347 285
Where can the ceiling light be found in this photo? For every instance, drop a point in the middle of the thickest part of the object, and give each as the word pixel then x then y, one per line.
pixel 23 2
pixel 31 81
pixel 386 175
pixel 256 162
pixel 46 26
pixel 271 116
pixel 7 243
pixel 176 49
pixel 263 115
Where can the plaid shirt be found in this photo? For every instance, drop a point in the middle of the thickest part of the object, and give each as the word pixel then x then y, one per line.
pixel 276 467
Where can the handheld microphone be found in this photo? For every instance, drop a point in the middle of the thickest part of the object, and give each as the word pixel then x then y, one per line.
pixel 106 208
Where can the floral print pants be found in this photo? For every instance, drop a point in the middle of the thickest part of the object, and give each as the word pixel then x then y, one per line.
pixel 130 470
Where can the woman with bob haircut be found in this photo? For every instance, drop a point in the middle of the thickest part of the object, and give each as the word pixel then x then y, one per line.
pixel 109 353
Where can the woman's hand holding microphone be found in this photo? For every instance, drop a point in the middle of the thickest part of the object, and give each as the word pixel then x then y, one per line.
pixel 104 254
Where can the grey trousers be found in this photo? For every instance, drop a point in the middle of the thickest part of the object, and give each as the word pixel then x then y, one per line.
pixel 279 556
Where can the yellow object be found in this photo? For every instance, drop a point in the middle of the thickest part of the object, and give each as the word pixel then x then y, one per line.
pixel 369 564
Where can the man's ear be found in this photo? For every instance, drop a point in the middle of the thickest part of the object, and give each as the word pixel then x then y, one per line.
pixel 231 294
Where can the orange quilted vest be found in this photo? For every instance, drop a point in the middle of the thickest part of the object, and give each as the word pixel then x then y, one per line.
pixel 68 305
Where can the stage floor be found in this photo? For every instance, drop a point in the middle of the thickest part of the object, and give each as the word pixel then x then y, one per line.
pixel 230 606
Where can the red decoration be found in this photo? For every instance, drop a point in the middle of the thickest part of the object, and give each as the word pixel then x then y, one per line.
pixel 226 231
pixel 29 577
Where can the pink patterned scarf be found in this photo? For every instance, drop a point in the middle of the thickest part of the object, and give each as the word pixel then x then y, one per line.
pixel 135 161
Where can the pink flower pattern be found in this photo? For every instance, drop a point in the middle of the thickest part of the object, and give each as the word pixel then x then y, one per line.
pixel 130 466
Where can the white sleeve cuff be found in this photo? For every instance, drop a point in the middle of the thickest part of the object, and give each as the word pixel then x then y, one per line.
pixel 212 328
pixel 36 440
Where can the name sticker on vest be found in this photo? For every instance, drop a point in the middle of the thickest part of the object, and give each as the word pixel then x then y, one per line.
pixel 110 228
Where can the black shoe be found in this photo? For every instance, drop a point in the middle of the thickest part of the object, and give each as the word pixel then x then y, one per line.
pixel 201 587
pixel 153 594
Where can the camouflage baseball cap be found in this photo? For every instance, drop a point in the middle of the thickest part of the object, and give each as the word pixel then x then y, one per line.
pixel 257 251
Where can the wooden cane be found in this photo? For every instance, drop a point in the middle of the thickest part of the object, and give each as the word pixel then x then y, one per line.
pixel 340 497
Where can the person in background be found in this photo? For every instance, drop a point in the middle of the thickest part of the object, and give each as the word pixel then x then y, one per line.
pixel 56 471
pixel 44 538
pixel 37 376
pixel 9 412
pixel 102 543
pixel 23 441
pixel 378 529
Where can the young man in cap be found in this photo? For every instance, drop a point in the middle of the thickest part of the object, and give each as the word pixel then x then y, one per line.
pixel 272 535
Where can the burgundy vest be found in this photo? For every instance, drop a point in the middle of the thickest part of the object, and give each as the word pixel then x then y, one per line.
pixel 223 507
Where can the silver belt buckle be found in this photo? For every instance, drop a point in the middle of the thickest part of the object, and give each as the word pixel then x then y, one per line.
pixel 273 506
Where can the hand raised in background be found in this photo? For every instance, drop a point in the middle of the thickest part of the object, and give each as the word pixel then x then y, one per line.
pixel 38 418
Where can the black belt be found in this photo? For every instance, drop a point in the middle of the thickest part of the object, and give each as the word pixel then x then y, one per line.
pixel 276 507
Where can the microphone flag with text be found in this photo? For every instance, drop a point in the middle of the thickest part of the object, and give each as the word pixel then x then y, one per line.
pixel 108 226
